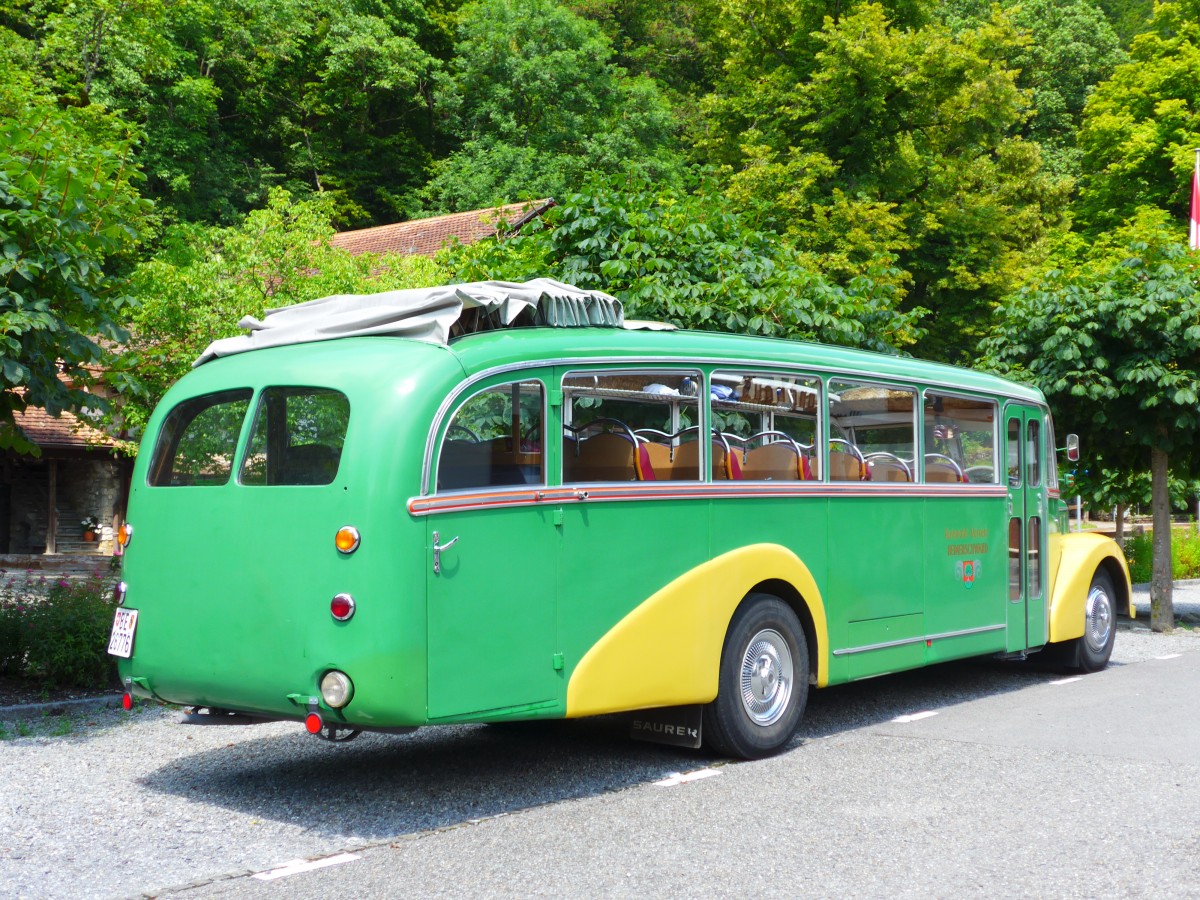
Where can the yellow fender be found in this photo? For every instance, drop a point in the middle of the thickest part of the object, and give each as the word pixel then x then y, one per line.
pixel 667 651
pixel 1082 555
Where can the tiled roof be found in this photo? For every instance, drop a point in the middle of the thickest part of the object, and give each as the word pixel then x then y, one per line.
pixel 66 431
pixel 424 237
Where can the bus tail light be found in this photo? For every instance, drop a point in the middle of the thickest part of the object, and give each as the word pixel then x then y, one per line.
pixel 336 689
pixel 342 607
pixel 124 536
pixel 127 701
pixel 313 723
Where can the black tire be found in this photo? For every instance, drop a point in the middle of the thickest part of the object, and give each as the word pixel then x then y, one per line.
pixel 765 649
pixel 1092 651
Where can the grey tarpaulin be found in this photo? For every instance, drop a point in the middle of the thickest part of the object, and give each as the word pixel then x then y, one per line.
pixel 425 314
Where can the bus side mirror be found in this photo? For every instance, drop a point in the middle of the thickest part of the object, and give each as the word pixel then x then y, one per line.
pixel 1073 447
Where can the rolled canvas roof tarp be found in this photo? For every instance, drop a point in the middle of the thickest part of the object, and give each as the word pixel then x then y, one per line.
pixel 425 314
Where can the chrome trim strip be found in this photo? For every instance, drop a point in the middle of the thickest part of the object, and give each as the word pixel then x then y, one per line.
pixel 846 651
pixel 592 492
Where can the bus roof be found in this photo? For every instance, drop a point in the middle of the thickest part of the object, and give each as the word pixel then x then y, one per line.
pixel 433 314
pixel 548 346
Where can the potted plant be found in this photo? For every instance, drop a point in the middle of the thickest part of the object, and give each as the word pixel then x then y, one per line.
pixel 90 525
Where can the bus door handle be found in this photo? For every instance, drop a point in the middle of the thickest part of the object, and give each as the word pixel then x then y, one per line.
pixel 437 551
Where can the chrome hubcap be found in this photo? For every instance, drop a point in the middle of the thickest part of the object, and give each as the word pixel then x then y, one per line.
pixel 1099 618
pixel 766 677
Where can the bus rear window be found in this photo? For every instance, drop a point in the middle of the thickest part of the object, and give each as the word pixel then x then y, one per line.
pixel 297 437
pixel 198 440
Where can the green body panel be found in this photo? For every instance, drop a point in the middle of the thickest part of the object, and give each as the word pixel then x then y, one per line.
pixel 615 555
pixel 891 640
pixel 233 582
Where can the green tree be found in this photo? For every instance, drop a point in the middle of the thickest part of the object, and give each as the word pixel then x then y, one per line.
pixel 895 146
pixel 675 42
pixel 686 258
pixel 1129 18
pixel 536 103
pixel 1141 125
pixel 206 278
pixel 321 95
pixel 1071 47
pixel 69 216
pixel 1119 347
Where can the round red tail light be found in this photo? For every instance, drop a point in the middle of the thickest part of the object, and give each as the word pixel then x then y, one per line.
pixel 341 607
pixel 313 723
pixel 126 702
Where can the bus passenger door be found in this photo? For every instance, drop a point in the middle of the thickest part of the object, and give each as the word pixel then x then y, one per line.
pixel 1028 508
pixel 492 610
pixel 492 564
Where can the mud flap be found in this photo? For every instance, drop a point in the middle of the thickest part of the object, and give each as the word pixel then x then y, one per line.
pixel 678 726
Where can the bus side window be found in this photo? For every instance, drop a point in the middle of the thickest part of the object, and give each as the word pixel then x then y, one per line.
pixel 636 426
pixel 873 423
pixel 495 439
pixel 769 422
pixel 960 439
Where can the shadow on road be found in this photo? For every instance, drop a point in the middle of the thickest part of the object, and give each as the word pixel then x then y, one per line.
pixel 381 786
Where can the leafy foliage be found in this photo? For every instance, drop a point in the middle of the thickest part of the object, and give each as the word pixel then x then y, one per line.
pixel 207 278
pixel 686 258
pixel 235 97
pixel 1117 349
pixel 69 212
pixel 1140 126
pixel 537 103
pixel 1185 555
pixel 57 630
pixel 873 144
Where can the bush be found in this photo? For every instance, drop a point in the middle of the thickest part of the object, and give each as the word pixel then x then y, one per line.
pixel 57 632
pixel 17 593
pixel 1185 555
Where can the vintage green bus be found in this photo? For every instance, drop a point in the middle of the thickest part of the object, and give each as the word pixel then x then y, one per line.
pixel 500 502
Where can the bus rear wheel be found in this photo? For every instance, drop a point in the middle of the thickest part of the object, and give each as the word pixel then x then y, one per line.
pixel 1099 625
pixel 763 681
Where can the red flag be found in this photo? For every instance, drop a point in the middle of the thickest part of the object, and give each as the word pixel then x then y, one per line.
pixel 1195 230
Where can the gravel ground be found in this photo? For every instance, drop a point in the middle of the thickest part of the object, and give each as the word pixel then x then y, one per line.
pixel 106 803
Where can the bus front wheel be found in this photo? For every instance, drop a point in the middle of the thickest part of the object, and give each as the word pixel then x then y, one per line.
pixel 1099 624
pixel 763 681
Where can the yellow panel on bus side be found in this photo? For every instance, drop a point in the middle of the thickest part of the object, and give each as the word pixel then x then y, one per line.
pixel 667 651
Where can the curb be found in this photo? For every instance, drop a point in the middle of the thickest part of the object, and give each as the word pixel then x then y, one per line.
pixel 26 711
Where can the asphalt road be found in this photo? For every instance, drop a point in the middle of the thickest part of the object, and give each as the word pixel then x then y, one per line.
pixel 967 779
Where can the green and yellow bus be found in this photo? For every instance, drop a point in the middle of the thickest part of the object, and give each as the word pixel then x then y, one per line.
pixel 501 502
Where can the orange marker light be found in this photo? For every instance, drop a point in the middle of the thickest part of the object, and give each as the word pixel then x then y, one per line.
pixel 347 539
pixel 124 534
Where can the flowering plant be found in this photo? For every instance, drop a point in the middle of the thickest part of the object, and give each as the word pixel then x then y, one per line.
pixel 90 523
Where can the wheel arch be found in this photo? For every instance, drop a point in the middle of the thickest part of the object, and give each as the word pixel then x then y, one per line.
pixel 1082 556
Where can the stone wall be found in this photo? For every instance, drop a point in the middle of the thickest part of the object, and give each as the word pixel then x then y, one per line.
pixel 85 487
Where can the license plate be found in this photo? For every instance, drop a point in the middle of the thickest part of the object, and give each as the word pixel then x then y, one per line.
pixel 124 625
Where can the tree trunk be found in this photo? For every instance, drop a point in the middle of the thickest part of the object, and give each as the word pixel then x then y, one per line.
pixel 1162 607
pixel 1119 525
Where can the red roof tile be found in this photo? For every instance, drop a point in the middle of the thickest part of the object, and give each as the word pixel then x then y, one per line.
pixel 424 237
pixel 62 432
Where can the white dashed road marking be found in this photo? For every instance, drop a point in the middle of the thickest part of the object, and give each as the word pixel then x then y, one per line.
pixel 296 866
